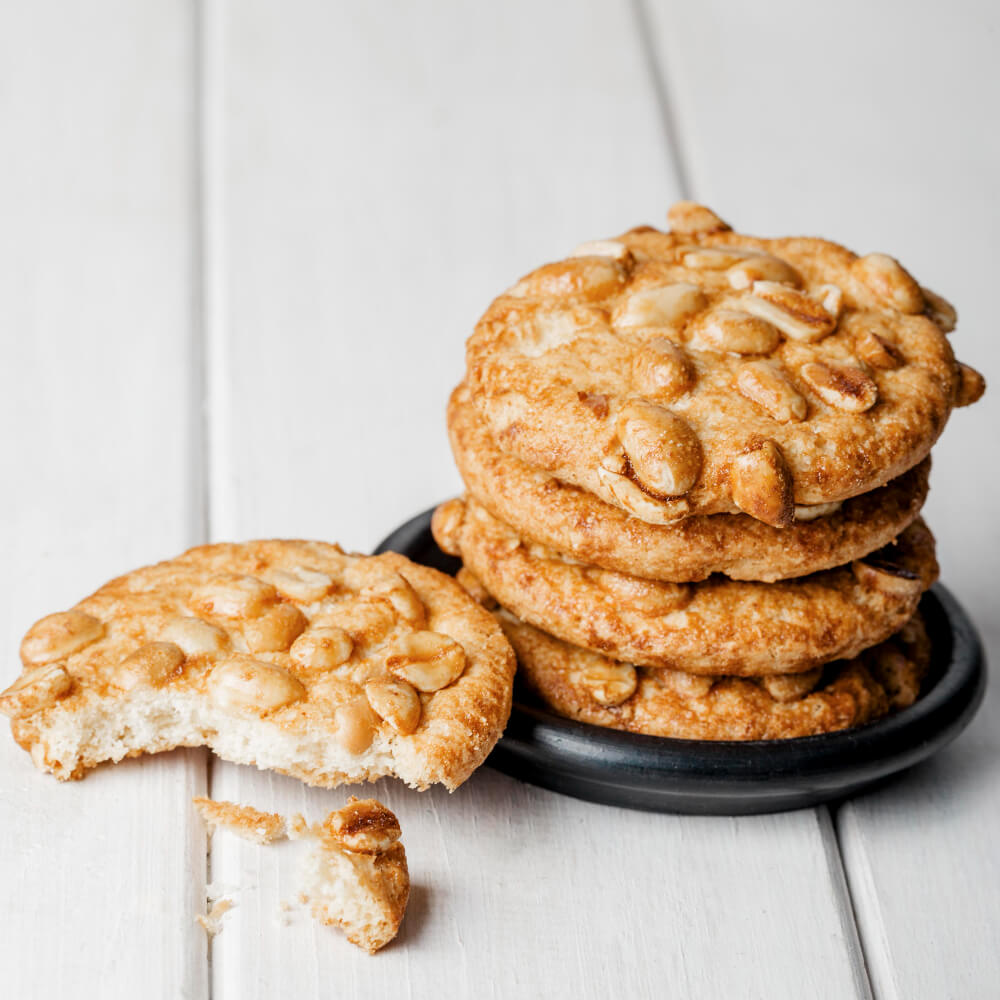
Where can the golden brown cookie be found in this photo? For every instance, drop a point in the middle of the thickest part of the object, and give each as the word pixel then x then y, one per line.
pixel 546 511
pixel 589 687
pixel 717 626
pixel 701 371
pixel 290 655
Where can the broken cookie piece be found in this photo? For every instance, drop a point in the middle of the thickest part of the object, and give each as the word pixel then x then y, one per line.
pixel 245 821
pixel 355 874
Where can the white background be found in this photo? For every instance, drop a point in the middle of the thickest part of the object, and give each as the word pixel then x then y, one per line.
pixel 241 245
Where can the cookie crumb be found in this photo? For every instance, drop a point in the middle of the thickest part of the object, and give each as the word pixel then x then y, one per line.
pixel 211 922
pixel 246 822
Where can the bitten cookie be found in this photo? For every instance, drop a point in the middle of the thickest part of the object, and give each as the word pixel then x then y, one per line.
pixel 589 687
pixel 290 655
pixel 544 510
pixel 701 371
pixel 718 626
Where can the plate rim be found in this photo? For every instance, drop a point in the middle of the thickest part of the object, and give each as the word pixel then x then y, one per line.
pixel 624 763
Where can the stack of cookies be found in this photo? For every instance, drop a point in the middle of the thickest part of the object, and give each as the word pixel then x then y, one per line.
pixel 695 464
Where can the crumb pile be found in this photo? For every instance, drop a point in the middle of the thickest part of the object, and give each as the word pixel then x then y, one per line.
pixel 354 877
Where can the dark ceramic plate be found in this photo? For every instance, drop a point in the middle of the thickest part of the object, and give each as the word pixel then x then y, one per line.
pixel 729 778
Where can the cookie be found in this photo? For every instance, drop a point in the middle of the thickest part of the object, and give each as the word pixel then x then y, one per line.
pixel 717 626
pixel 290 655
pixel 589 687
pixel 546 511
pixel 701 371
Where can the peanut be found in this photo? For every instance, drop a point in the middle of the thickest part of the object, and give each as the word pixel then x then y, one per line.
pixel 396 702
pixel 57 636
pixel 427 660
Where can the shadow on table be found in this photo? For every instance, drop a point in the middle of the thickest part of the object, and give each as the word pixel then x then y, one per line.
pixel 417 912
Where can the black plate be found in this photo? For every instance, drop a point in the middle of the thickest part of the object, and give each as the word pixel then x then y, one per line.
pixel 730 778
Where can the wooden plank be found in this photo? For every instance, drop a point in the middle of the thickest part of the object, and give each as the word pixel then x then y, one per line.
pixel 384 178
pixel 923 866
pixel 869 126
pixel 520 892
pixel 376 181
pixel 101 878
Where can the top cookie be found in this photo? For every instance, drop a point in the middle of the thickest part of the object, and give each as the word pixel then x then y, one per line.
pixel 701 371
pixel 290 655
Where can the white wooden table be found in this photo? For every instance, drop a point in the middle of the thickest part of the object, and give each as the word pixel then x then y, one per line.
pixel 241 244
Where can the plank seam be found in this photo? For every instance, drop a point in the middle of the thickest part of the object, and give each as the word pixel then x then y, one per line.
pixel 655 64
pixel 842 893
pixel 860 885
pixel 208 261
pixel 212 233
pixel 199 526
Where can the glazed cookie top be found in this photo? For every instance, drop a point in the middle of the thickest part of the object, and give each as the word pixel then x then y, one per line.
pixel 391 665
pixel 700 371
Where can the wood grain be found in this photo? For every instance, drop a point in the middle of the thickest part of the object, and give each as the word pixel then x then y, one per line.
pixel 870 127
pixel 520 892
pixel 101 878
